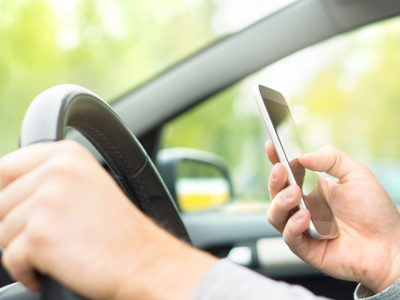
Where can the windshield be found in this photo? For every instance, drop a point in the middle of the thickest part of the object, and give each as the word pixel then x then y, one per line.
pixel 108 47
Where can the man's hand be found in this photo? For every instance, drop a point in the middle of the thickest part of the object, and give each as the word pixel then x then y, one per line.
pixel 62 215
pixel 368 248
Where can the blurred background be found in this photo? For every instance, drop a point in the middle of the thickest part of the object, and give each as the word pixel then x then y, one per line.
pixel 343 92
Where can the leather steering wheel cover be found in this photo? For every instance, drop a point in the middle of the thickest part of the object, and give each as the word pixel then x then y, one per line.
pixel 64 106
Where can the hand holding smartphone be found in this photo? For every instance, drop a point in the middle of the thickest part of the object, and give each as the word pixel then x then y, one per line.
pixel 284 135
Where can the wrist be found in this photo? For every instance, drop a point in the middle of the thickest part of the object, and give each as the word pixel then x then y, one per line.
pixel 385 274
pixel 165 268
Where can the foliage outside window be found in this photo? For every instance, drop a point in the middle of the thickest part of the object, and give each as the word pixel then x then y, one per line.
pixel 345 92
pixel 108 47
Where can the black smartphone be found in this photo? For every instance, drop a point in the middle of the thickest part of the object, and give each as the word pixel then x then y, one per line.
pixel 286 139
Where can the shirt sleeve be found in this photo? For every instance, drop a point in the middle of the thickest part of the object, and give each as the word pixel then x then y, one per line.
pixel 391 293
pixel 226 280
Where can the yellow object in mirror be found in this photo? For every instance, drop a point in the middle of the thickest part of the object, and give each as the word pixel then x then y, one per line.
pixel 197 194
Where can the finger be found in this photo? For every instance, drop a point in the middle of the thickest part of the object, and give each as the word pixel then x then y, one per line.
pixel 282 206
pixel 293 233
pixel 22 161
pixel 14 223
pixel 16 261
pixel 277 180
pixel 19 190
pixel 271 153
pixel 332 161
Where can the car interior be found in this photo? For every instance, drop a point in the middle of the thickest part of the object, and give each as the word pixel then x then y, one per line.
pixel 197 125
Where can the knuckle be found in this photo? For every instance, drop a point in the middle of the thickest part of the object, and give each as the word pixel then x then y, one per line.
pixel 332 150
pixel 329 148
pixel 61 166
pixel 46 195
pixel 278 202
pixel 12 257
pixel 69 159
pixel 38 232
pixel 335 157
pixel 69 147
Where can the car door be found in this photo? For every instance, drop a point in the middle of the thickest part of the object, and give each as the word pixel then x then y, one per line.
pixel 207 105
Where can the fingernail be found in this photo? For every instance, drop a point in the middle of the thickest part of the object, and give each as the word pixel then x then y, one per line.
pixel 308 154
pixel 298 216
pixel 288 193
pixel 273 175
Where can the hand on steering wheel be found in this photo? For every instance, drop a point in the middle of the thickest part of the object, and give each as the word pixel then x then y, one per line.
pixel 49 181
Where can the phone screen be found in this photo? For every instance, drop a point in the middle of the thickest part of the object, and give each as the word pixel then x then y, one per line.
pixel 291 144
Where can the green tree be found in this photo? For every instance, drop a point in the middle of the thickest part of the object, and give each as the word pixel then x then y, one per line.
pixel 355 98
pixel 107 46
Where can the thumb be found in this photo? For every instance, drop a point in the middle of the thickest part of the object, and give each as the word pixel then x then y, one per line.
pixel 333 162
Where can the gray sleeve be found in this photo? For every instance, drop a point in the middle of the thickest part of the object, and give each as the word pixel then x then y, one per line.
pixel 391 293
pixel 226 280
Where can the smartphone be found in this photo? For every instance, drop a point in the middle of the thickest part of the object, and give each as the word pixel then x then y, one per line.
pixel 288 146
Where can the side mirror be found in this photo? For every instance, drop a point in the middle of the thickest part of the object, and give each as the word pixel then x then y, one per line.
pixel 197 180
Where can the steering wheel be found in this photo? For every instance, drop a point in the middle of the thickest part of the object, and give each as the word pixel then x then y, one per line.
pixel 63 106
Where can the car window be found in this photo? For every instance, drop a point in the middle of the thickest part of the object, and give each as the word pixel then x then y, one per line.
pixel 344 91
pixel 109 47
